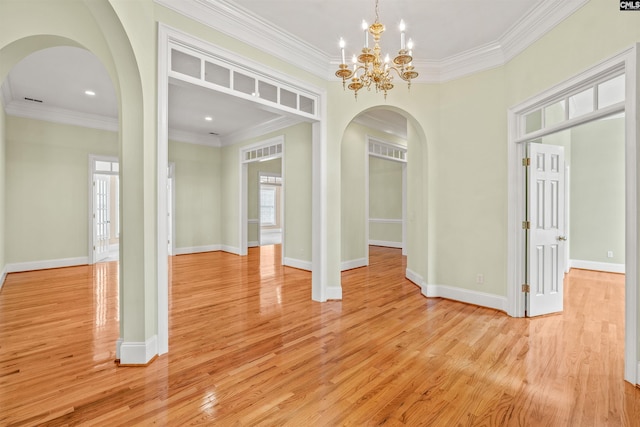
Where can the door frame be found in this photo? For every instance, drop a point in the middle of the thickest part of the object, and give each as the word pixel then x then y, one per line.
pixel 244 188
pixel 626 62
pixel 93 158
pixel 281 204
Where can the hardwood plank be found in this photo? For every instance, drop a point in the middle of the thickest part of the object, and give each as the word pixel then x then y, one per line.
pixel 249 347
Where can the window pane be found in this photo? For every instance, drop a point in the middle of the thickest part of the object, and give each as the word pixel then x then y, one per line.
pixel 611 92
pixel 554 114
pixel 533 121
pixel 267 206
pixel 581 103
pixel 244 84
pixel 103 166
pixel 268 91
pixel 216 74
pixel 288 99
pixel 306 105
pixel 185 64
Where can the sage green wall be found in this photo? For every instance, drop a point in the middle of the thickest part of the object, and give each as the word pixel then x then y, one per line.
pixel 352 185
pixel 197 190
pixel 2 190
pixel 598 191
pixel 385 199
pixel 471 199
pixel 47 173
pixel 254 169
pixel 297 174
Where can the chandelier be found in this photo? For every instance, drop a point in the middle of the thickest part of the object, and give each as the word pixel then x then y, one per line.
pixel 369 69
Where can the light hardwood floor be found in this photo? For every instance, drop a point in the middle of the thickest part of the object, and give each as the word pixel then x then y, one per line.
pixel 249 347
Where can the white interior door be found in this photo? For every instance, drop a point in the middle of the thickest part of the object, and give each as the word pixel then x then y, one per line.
pixel 546 242
pixel 101 217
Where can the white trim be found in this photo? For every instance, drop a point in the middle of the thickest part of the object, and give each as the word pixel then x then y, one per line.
pixel 334 292
pixel 271 126
pixel 597 266
pixel 33 111
pixel 197 249
pixel 416 279
pixel 638 371
pixel 297 263
pixel 138 353
pixel 627 61
pixel 253 243
pixel 18 267
pixel 354 263
pixel 467 296
pixel 230 249
pixel 385 243
pixel 386 220
pixel 3 276
pixel 119 342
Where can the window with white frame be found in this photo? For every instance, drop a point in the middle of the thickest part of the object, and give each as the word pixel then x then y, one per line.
pixel 267 205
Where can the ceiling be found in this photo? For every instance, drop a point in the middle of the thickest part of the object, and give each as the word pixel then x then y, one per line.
pixel 51 83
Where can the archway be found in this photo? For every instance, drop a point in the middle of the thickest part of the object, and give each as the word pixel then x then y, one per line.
pixel 395 138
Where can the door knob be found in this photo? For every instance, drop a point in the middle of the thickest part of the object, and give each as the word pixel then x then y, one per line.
pixel 562 238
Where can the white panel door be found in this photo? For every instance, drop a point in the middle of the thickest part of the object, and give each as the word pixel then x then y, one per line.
pixel 101 221
pixel 546 237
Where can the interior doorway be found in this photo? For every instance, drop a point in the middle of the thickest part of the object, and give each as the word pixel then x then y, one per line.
pixel 104 209
pixel 270 207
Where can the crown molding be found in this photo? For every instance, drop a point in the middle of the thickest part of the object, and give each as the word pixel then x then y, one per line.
pixel 239 23
pixel 260 130
pixel 33 111
pixel 194 138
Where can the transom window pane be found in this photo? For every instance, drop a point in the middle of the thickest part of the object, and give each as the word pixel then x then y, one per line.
pixel 554 114
pixel 216 74
pixel 244 84
pixel 185 64
pixel 611 92
pixel 581 103
pixel 533 121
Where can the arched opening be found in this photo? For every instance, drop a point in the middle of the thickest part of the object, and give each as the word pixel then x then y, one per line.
pixel 384 189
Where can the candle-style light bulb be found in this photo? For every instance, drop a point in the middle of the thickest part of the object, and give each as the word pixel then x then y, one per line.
pixel 410 46
pixel 342 44
pixel 365 27
pixel 402 28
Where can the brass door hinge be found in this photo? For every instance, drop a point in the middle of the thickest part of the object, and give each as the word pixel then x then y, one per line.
pixel 526 225
pixel 526 288
pixel 526 161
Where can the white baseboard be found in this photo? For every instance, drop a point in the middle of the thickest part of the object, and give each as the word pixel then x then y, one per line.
pixel 138 353
pixel 3 275
pixel 119 342
pixel 197 249
pixel 354 263
pixel 597 266
pixel 638 375
pixel 253 244
pixel 297 263
pixel 467 296
pixel 230 249
pixel 415 278
pixel 46 264
pixel 386 244
pixel 334 293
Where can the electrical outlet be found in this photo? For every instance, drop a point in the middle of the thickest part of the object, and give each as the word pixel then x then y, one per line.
pixel 480 278
pixel 609 254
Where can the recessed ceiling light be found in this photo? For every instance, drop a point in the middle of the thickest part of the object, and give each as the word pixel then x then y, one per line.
pixel 208 118
pixel 89 92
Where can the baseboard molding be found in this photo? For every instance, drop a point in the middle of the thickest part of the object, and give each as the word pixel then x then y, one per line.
pixel 481 299
pixel 334 293
pixel 297 263
pixel 638 375
pixel 253 244
pixel 415 278
pixel 18 267
pixel 197 249
pixel 354 263
pixel 386 244
pixel 597 266
pixel 230 249
pixel 3 275
pixel 137 353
